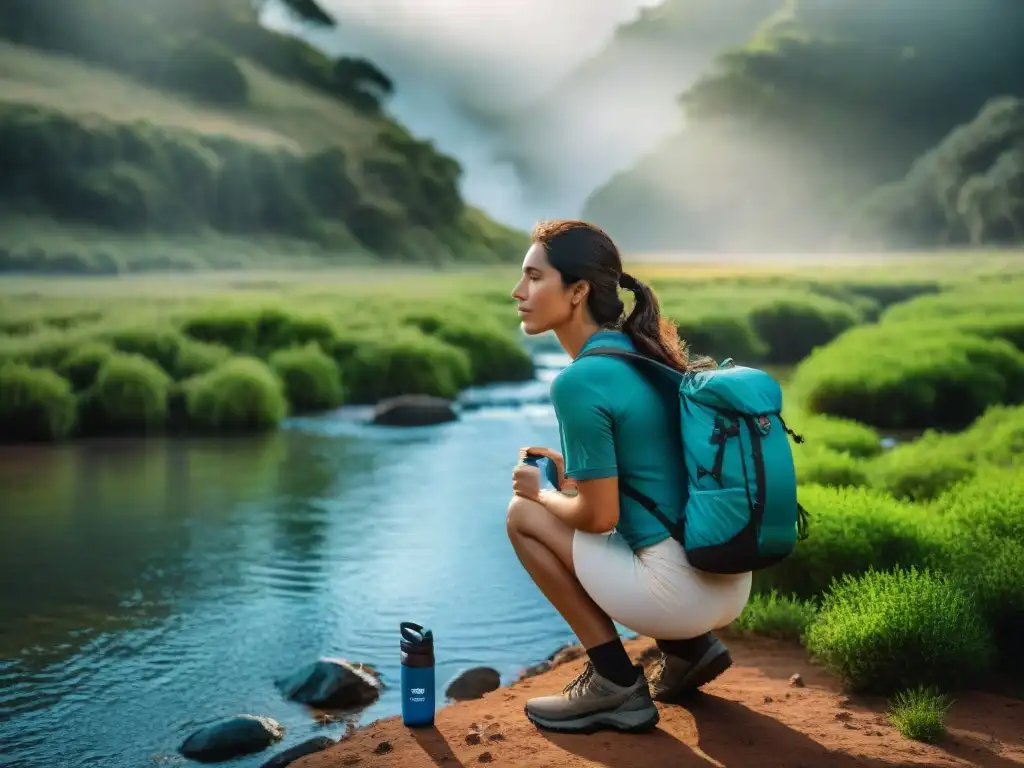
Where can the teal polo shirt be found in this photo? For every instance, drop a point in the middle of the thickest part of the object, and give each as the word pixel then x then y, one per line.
pixel 613 423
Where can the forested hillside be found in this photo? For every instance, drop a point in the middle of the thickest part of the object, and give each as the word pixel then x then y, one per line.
pixel 166 117
pixel 842 123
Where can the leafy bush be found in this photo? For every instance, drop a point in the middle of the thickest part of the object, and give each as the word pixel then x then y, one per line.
pixel 774 615
pixel 824 466
pixel 890 379
pixel 922 469
pixel 377 366
pixel 793 329
pixel 128 397
pixel 721 336
pixel 852 529
pixel 926 467
pixel 883 632
pixel 982 523
pixel 494 354
pixel 159 344
pixel 240 395
pixel 820 430
pixel 312 381
pixel 256 330
pixel 198 357
pixel 83 363
pixel 35 404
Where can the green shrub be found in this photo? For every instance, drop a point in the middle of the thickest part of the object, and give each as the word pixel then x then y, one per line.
pixel 494 354
pixel 824 466
pixel 982 521
pixel 161 345
pixel 991 500
pixel 922 469
pixel 882 632
pixel 240 395
pixel 991 569
pixel 793 329
pixel 722 336
pixel 35 404
pixel 377 366
pixel 312 381
pixel 851 530
pixel 920 713
pixel 198 357
pixel 83 363
pixel 255 330
pixel 843 435
pixel 894 380
pixel 995 437
pixel 774 615
pixel 129 396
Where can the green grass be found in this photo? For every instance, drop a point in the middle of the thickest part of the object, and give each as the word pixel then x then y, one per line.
pixel 920 713
pixel 774 615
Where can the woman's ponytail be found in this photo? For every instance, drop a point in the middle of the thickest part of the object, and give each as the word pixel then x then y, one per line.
pixel 653 335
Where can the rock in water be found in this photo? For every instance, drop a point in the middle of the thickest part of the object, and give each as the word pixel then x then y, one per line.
pixel 473 684
pixel 290 755
pixel 230 737
pixel 333 683
pixel 413 411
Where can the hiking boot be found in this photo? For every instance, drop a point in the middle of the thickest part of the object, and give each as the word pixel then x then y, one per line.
pixel 675 677
pixel 591 703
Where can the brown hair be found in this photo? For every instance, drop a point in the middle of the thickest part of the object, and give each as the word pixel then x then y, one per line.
pixel 582 251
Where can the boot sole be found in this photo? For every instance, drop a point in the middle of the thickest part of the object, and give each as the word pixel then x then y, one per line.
pixel 636 721
pixel 700 676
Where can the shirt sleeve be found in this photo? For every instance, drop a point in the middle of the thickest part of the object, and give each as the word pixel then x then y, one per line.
pixel 585 423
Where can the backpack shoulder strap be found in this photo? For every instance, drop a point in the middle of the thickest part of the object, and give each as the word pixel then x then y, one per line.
pixel 641 361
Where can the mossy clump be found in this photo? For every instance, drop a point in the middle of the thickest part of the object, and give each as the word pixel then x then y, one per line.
pixel 36 404
pixel 129 397
pixel 240 395
pixel 312 381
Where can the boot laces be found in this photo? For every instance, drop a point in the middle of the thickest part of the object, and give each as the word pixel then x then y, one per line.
pixel 579 685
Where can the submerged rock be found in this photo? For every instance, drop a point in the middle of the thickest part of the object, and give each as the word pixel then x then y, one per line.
pixel 290 755
pixel 473 683
pixel 333 683
pixel 231 737
pixel 413 411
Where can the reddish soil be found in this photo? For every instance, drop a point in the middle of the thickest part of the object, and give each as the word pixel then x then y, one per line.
pixel 750 716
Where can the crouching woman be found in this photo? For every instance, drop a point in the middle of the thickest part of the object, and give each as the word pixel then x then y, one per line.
pixel 599 556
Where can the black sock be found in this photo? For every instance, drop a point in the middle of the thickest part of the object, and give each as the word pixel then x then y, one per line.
pixel 691 650
pixel 613 663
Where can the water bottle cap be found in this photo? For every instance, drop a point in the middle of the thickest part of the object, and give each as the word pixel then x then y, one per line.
pixel 415 635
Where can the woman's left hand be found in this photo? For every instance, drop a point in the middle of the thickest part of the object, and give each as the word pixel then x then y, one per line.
pixel 526 482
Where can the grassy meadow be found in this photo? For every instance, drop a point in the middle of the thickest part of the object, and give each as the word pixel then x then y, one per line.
pixel 904 374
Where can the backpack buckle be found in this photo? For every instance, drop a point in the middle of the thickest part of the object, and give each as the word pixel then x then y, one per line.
pixel 764 425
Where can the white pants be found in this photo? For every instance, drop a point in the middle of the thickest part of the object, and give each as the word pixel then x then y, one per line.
pixel 656 592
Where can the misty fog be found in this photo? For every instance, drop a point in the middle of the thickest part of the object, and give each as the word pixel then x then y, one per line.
pixel 472 76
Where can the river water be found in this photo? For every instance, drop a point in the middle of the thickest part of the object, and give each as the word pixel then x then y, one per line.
pixel 152 586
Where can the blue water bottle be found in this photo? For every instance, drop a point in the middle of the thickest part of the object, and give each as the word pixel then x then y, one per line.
pixel 417 675
pixel 548 471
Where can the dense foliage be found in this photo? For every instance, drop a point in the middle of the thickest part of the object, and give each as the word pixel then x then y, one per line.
pixel 250 167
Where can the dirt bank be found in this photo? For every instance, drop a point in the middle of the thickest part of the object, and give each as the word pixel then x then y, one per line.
pixel 751 716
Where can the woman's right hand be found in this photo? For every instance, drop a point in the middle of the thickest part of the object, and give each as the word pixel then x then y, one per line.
pixel 556 458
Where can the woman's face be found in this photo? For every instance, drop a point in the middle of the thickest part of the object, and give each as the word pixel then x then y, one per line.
pixel 543 302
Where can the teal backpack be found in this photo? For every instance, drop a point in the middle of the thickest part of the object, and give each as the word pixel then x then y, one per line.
pixel 741 513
